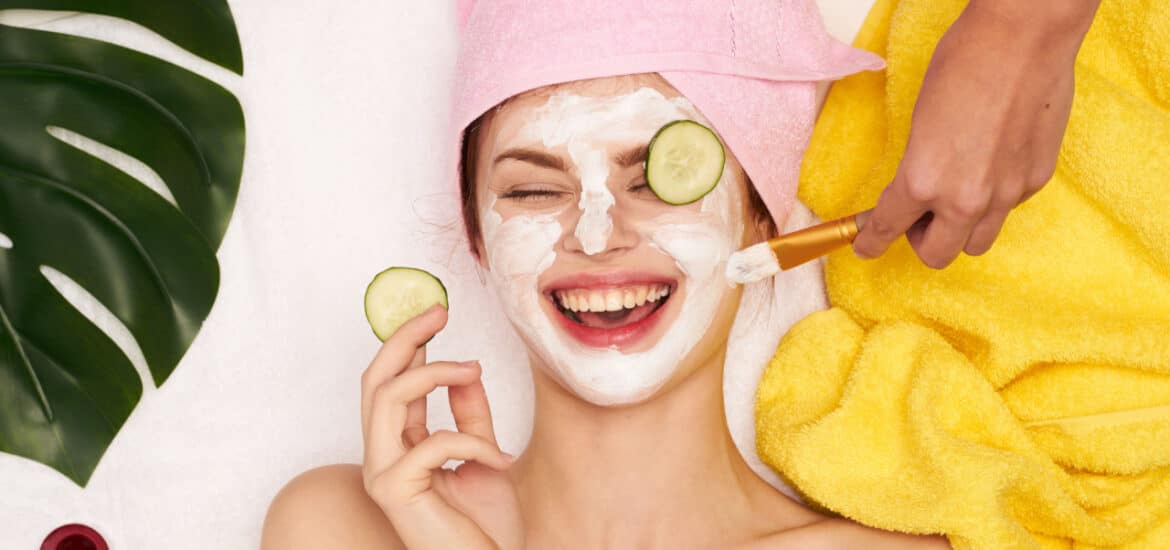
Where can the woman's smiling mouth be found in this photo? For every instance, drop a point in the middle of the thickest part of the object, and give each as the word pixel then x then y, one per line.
pixel 614 309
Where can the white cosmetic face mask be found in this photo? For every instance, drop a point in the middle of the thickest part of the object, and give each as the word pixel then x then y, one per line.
pixel 523 247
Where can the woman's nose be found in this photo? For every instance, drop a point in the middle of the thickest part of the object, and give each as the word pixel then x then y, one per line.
pixel 601 234
pixel 594 226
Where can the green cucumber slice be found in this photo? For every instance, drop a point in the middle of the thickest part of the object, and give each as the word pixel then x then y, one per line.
pixel 684 162
pixel 397 295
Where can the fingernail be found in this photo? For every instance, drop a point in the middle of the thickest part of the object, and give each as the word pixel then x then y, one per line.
pixel 508 457
pixel 469 364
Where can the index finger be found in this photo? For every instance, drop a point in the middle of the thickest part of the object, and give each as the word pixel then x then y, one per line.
pixel 895 212
pixel 399 351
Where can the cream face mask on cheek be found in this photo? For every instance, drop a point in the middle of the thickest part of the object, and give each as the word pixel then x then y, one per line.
pixel 524 246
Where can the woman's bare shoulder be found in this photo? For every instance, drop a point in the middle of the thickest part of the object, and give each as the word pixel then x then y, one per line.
pixel 326 507
pixel 843 534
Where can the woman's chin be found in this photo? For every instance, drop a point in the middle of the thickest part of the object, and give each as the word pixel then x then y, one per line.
pixel 612 397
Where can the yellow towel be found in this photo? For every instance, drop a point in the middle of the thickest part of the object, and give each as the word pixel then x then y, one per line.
pixel 1020 399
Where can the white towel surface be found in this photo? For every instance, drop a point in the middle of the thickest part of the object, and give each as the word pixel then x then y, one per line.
pixel 344 104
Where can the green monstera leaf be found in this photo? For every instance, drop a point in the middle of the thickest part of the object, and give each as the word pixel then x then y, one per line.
pixel 65 387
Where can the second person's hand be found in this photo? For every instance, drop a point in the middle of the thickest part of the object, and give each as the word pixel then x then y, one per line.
pixel 986 128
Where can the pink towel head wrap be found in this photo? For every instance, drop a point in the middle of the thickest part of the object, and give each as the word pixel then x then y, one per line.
pixel 749 66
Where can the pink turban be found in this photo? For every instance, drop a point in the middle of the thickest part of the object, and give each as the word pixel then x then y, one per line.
pixel 750 66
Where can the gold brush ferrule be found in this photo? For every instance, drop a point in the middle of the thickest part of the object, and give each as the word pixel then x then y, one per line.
pixel 801 246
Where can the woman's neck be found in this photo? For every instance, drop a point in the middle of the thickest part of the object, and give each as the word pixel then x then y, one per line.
pixel 664 473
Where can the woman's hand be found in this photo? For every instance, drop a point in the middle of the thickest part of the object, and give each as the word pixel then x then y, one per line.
pixel 471 507
pixel 986 129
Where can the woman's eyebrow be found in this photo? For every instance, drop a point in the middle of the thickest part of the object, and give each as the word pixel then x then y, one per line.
pixel 630 157
pixel 532 156
pixel 627 158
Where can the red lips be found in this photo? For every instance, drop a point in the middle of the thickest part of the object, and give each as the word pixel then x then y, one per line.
pixel 618 337
pixel 608 279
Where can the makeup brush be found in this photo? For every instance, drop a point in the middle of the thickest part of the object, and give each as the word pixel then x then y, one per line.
pixel 787 251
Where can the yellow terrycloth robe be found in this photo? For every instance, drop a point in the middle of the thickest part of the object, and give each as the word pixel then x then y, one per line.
pixel 1019 399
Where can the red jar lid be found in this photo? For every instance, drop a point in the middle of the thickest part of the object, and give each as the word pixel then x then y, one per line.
pixel 74 536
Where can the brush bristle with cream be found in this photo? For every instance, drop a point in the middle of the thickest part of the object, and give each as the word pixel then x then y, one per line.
pixel 762 260
pixel 754 263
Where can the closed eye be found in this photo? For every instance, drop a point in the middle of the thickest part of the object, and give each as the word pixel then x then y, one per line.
pixel 643 190
pixel 530 194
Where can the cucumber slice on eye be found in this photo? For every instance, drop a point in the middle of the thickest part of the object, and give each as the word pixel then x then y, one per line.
pixel 399 294
pixel 684 162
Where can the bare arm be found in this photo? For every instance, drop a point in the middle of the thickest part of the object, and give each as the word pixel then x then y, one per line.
pixel 986 128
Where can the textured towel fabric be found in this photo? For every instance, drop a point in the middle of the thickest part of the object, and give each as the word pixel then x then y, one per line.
pixel 1020 399
pixel 739 62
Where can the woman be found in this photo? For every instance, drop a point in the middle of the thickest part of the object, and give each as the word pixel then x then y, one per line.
pixel 621 301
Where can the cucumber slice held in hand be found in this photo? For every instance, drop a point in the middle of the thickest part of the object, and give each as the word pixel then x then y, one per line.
pixel 399 294
pixel 684 162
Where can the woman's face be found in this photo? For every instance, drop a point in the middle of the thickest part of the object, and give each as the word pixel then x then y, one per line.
pixel 616 293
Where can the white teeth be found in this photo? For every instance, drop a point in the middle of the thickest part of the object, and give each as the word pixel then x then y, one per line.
pixel 658 292
pixel 596 301
pixel 613 299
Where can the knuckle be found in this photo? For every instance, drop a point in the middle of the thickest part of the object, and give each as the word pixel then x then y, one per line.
pixel 386 392
pixel 971 204
pixel 1008 198
pixel 413 435
pixel 1017 184
pixel 1041 174
pixel 921 189
pixel 969 208
pixel 1034 186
